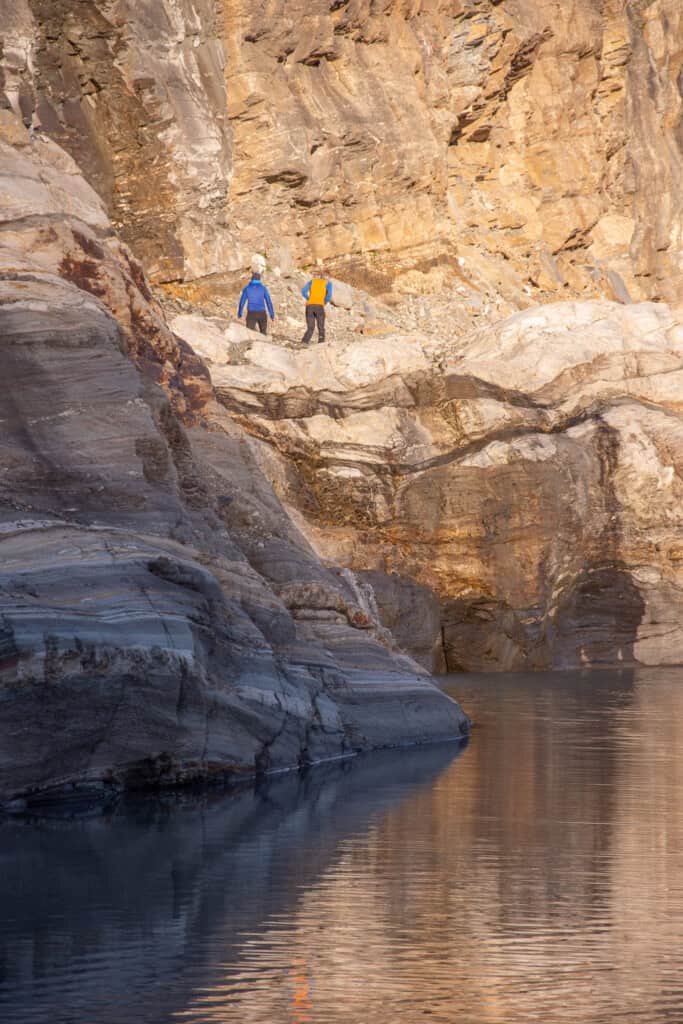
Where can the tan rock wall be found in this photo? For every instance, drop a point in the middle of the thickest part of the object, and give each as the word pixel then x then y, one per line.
pixel 538 142
pixel 335 147
pixel 523 136
pixel 654 113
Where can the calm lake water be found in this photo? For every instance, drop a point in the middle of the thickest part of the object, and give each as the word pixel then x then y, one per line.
pixel 535 875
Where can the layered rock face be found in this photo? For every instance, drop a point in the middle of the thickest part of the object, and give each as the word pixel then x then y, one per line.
pixel 529 476
pixel 161 618
pixel 214 545
pixel 525 149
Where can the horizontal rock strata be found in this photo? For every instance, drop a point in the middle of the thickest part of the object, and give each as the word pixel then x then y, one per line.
pixel 529 475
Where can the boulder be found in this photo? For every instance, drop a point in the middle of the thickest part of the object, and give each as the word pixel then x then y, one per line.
pixel 342 294
pixel 209 338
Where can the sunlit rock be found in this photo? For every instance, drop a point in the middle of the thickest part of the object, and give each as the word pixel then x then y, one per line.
pixel 528 475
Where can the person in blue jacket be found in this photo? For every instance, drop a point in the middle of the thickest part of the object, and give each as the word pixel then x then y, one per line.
pixel 317 292
pixel 256 297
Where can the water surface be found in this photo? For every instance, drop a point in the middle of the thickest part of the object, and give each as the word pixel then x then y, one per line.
pixel 536 875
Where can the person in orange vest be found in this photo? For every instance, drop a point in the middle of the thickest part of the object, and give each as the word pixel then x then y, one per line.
pixel 317 293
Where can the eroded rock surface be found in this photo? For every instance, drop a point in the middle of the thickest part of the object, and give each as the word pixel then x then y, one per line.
pixel 529 475
pixel 161 618
pixel 136 93
pixel 221 538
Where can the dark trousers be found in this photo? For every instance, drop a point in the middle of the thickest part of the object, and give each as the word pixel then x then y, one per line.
pixel 314 315
pixel 257 318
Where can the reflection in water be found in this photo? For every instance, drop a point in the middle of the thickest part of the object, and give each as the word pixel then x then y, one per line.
pixel 538 877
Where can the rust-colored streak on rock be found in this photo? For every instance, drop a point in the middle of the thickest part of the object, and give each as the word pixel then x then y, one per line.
pixel 135 94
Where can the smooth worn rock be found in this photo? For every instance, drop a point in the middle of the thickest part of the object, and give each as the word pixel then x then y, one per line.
pixel 216 543
pixel 161 617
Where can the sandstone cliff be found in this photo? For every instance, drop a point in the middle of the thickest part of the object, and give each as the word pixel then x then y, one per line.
pixel 527 150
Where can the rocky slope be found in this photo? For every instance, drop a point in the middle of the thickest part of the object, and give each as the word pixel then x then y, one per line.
pixel 161 618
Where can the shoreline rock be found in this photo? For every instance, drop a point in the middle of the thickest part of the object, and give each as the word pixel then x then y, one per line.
pixel 162 620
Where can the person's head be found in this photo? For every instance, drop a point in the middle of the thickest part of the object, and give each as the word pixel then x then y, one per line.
pixel 256 276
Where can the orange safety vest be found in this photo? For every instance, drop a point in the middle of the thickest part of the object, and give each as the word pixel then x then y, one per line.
pixel 318 292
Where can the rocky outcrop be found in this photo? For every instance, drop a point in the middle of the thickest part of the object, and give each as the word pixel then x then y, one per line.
pixel 161 618
pixel 528 475
pixel 523 151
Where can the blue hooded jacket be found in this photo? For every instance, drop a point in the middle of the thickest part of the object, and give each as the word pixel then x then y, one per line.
pixel 257 297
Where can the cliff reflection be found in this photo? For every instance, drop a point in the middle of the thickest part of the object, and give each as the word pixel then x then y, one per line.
pixel 122 918
pixel 539 877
